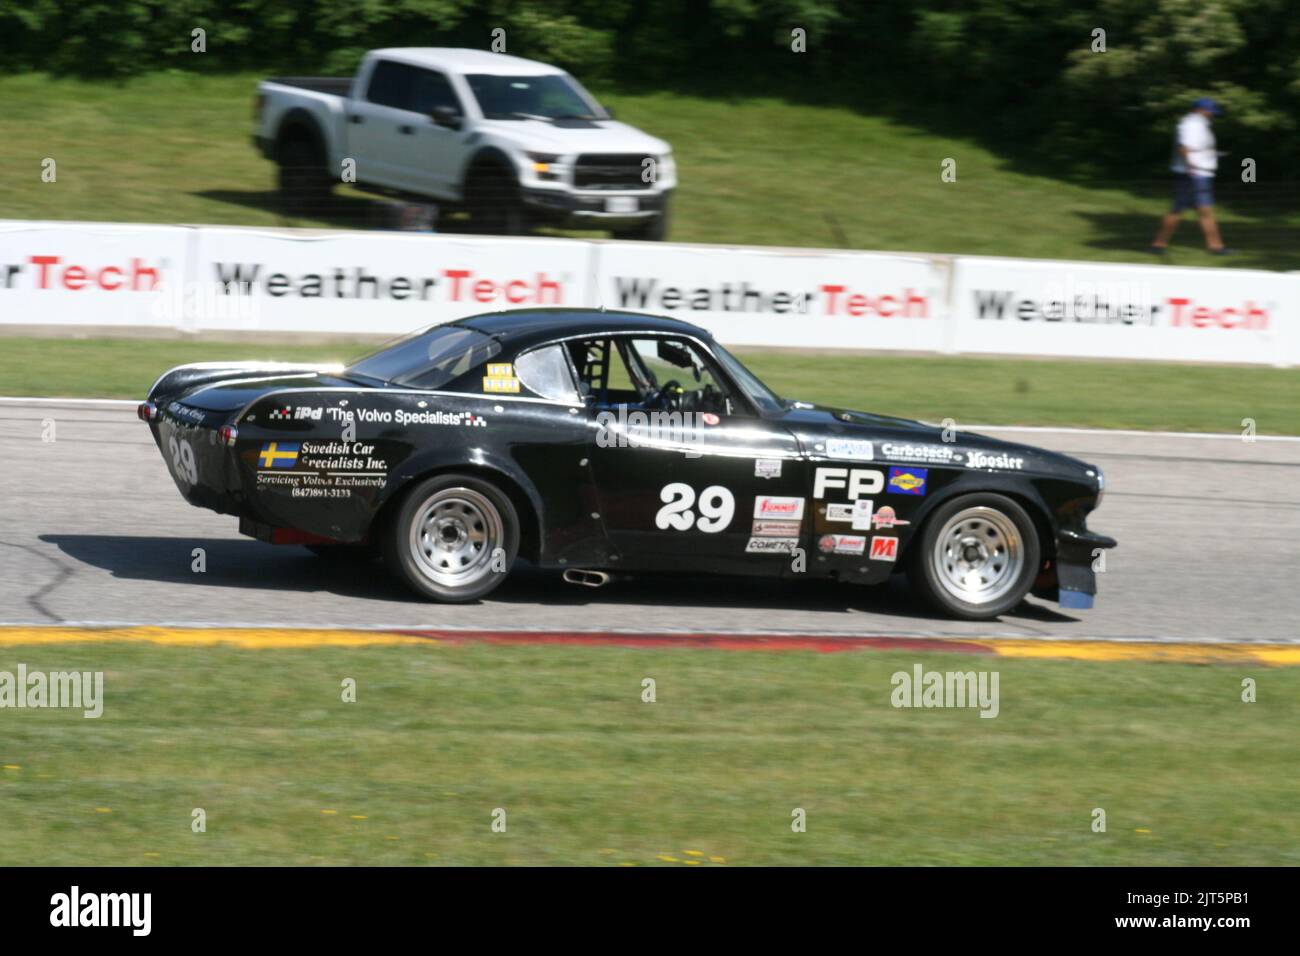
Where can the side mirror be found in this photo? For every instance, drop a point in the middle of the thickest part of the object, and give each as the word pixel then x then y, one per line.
pixel 447 116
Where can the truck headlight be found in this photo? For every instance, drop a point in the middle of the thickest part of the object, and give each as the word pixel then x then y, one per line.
pixel 544 165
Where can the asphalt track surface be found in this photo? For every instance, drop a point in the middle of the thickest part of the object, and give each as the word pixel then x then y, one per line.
pixel 92 530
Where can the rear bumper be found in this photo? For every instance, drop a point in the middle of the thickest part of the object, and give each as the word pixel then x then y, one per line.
pixel 1078 554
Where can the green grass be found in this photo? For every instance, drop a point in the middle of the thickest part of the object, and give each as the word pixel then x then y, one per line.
pixel 175 147
pixel 969 390
pixel 439 737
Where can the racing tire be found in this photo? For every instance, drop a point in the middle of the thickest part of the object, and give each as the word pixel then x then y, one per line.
pixel 454 538
pixel 977 556
pixel 303 183
pixel 495 206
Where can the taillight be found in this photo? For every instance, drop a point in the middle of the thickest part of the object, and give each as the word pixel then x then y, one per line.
pixel 146 411
pixel 228 435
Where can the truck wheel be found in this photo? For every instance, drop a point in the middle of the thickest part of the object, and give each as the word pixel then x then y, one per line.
pixel 495 206
pixel 453 539
pixel 654 229
pixel 304 185
pixel 976 557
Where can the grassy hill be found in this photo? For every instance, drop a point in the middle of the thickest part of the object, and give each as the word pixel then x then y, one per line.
pixel 175 147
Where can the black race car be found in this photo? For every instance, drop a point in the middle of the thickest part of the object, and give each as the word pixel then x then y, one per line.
pixel 600 442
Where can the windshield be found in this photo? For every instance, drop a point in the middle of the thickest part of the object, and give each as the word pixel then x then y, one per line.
pixel 428 359
pixel 759 394
pixel 554 96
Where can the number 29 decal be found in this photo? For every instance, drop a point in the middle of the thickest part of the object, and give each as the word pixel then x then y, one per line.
pixel 183 464
pixel 716 506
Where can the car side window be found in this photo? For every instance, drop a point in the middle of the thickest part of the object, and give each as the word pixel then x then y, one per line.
pixel 545 371
pixel 431 90
pixel 603 372
pixel 681 377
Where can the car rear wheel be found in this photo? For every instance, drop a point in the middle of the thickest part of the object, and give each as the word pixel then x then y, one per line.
pixel 977 556
pixel 454 538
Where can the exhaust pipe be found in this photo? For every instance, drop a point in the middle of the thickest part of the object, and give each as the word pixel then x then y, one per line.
pixel 589 579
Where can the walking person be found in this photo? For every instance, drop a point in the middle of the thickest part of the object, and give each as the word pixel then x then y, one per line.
pixel 1194 163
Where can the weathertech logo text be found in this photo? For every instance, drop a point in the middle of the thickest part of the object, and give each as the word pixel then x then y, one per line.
pixel 1183 311
pixel 449 285
pixel 830 299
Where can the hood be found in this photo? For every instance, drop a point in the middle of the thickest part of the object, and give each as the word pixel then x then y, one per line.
pixel 906 441
pixel 567 137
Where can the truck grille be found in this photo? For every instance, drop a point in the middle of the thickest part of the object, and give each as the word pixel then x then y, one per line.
pixel 610 171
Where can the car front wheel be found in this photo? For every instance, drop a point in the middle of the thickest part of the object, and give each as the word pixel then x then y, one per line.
pixel 454 538
pixel 977 556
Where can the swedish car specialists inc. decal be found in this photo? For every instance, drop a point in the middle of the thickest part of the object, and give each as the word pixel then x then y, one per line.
pixel 908 481
pixel 884 549
pixel 771 545
pixel 500 377
pixel 771 506
pixel 858 482
pixel 329 469
pixel 849 448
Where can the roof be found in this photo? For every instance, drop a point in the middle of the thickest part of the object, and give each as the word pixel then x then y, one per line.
pixel 525 326
pixel 459 60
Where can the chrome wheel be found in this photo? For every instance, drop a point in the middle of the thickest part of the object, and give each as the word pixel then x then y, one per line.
pixel 454 537
pixel 978 555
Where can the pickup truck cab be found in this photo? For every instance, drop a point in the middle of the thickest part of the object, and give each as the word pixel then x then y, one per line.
pixel 513 141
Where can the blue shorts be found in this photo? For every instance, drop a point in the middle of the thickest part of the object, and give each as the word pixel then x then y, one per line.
pixel 1192 192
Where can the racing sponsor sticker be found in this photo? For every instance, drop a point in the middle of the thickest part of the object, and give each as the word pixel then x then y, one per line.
pixel 771 545
pixel 767 467
pixel 278 454
pixel 861 517
pixel 931 454
pixel 775 529
pixel 772 506
pixel 839 512
pixel 980 459
pixel 886 517
pixel 850 448
pixel 884 549
pixel 908 481
pixel 500 377
pixel 857 482
pixel 841 544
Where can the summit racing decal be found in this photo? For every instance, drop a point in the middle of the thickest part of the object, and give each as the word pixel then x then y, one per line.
pixel 771 506
pixel 908 481
pixel 641 293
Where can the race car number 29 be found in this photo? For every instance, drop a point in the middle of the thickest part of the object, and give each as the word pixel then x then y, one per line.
pixel 183 463
pixel 716 506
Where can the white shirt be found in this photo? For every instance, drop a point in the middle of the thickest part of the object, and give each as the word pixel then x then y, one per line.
pixel 1195 134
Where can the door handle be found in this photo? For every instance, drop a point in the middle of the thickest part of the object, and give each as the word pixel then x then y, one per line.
pixel 406 130
pixel 356 118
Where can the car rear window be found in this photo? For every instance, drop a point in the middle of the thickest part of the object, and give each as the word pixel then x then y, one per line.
pixel 428 359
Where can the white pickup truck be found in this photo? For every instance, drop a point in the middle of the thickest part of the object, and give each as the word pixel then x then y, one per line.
pixel 513 141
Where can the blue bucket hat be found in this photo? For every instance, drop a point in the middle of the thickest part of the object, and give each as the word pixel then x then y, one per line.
pixel 1208 103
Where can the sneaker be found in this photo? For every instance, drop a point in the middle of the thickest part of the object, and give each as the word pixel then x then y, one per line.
pixel 1157 250
pixel 1221 251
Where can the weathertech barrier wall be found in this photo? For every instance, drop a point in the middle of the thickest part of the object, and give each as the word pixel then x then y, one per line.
pixel 199 278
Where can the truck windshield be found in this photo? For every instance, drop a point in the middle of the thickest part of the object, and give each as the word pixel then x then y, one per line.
pixel 549 97
pixel 427 359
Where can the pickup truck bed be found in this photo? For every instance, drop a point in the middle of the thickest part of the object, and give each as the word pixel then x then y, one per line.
pixel 335 85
